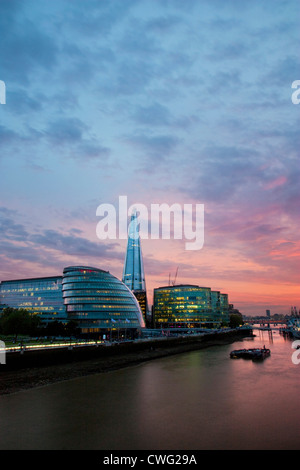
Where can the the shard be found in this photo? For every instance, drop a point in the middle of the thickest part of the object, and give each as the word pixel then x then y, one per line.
pixel 133 272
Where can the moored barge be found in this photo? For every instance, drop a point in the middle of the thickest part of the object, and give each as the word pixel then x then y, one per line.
pixel 254 354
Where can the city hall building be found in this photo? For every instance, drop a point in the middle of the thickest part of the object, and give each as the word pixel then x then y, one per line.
pixel 189 306
pixel 97 300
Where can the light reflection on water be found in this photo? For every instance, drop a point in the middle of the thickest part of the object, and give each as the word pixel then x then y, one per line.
pixel 197 400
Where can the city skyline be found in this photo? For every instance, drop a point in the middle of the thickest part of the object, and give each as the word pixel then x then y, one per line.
pixel 164 102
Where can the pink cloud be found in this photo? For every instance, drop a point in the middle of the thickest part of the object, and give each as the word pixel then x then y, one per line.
pixel 275 183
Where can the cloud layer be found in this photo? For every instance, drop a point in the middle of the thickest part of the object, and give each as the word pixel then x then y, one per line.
pixel 162 101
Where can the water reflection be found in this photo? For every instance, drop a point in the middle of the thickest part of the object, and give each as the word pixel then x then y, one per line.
pixel 197 400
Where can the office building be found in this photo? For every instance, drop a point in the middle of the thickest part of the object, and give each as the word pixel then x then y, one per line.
pixel 189 306
pixel 224 304
pixel 40 296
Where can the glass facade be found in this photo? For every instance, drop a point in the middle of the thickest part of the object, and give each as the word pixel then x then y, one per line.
pixel 41 296
pixel 215 304
pixel 133 271
pixel 97 300
pixel 188 306
pixel 224 306
pixel 141 297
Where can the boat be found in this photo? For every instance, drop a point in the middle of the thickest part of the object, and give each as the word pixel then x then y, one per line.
pixel 254 353
pixel 293 327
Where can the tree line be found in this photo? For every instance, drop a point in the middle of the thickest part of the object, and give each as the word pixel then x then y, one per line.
pixel 18 321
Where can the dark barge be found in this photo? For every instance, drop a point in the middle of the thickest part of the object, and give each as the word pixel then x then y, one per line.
pixel 254 354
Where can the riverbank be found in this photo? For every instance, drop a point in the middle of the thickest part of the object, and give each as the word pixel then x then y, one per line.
pixel 40 368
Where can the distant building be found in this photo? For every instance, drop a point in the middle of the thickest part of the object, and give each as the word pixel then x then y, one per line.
pixel 189 306
pixel 133 272
pixel 234 311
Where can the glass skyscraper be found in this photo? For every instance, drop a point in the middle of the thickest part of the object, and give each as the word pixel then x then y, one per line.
pixel 133 272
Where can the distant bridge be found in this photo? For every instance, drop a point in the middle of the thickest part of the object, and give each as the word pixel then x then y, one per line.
pixel 266 323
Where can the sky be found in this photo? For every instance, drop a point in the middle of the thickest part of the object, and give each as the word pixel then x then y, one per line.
pixel 164 102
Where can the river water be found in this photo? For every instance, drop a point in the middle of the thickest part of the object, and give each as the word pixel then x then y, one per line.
pixel 200 400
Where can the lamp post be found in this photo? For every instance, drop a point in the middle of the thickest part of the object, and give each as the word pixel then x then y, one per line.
pixel 111 328
pixel 126 321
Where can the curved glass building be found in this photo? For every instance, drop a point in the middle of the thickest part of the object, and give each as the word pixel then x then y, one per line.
pixel 97 300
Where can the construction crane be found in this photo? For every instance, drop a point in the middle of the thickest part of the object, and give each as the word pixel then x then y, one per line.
pixel 175 277
pixel 173 282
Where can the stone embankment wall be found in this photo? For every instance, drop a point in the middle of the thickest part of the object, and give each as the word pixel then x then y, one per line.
pixel 135 350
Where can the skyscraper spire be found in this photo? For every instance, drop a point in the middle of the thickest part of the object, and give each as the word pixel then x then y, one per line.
pixel 133 272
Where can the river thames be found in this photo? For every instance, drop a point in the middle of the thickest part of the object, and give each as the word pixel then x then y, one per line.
pixel 199 400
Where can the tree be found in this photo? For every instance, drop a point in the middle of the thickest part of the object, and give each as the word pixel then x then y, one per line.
pixel 54 328
pixel 235 320
pixel 71 328
pixel 16 321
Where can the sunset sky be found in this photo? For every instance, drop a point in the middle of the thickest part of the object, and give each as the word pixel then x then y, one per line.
pixel 162 101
